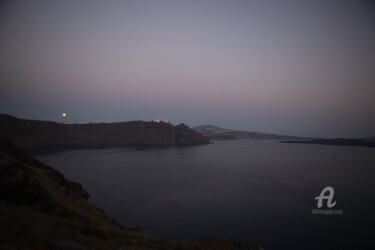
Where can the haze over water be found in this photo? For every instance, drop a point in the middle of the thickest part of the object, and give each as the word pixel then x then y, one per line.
pixel 247 190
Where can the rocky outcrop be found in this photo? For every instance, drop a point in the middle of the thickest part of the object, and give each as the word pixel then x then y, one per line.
pixel 19 184
pixel 39 134
pixel 40 209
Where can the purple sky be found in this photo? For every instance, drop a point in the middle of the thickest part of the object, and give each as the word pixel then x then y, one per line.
pixel 290 67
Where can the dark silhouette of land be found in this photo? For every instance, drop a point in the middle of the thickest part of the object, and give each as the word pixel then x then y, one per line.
pixel 33 134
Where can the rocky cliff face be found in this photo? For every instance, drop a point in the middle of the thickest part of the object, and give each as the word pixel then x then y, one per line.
pixel 40 209
pixel 32 133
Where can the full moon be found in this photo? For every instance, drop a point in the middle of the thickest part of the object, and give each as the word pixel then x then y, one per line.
pixel 63 114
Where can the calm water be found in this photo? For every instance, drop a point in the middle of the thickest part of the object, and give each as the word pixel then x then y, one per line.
pixel 250 190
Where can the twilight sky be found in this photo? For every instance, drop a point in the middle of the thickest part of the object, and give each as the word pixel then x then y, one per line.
pixel 290 67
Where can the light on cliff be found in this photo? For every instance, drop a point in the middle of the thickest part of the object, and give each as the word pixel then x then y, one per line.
pixel 63 114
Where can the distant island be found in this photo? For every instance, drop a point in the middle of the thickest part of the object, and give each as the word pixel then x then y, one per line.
pixel 216 133
pixel 365 142
pixel 32 134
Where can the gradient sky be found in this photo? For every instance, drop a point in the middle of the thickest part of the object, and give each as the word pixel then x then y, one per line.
pixel 290 67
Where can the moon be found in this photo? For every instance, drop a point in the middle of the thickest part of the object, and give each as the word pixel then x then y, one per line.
pixel 63 114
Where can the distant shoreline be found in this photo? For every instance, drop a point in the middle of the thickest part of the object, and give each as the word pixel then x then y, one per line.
pixel 337 142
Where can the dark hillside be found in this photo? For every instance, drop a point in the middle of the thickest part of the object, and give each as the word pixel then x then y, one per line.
pixel 38 134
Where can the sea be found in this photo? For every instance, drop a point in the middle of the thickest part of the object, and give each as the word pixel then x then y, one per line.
pixel 259 191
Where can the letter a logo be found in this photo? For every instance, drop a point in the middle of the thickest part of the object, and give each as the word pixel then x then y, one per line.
pixel 328 197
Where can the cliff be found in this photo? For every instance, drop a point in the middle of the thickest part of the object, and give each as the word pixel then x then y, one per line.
pixel 38 134
pixel 40 209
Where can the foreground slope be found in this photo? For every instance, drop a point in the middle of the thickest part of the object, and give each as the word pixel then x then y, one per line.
pixel 38 134
pixel 40 209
